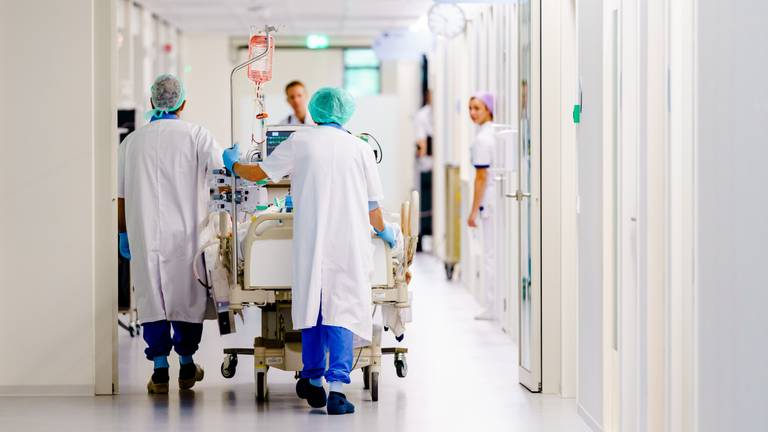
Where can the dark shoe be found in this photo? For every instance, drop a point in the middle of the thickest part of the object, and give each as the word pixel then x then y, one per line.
pixel 158 384
pixel 338 404
pixel 314 395
pixel 189 374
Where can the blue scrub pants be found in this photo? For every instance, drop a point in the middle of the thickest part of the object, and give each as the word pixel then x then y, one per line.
pixel 185 340
pixel 318 340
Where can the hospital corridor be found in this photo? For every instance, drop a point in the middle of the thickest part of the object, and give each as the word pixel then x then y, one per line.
pixel 415 404
pixel 383 215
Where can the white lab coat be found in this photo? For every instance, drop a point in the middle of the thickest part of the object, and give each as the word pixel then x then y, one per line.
pixel 333 176
pixel 291 119
pixel 162 171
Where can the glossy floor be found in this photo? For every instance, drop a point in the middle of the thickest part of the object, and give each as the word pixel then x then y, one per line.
pixel 462 376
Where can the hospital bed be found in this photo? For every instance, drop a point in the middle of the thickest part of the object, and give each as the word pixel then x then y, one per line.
pixel 262 278
pixel 265 279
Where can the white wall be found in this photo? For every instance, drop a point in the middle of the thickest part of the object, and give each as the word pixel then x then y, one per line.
pixel 732 211
pixel 58 250
pixel 381 117
pixel 315 68
pixel 206 66
pixel 590 131
pixel 401 80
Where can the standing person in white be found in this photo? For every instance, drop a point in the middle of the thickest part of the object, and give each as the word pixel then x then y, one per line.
pixel 483 151
pixel 162 205
pixel 296 96
pixel 336 195
pixel 424 162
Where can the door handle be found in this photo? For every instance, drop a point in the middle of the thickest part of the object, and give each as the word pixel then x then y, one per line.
pixel 519 195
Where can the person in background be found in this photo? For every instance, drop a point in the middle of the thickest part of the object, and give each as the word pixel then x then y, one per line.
pixel 296 96
pixel 161 207
pixel 336 194
pixel 483 151
pixel 424 162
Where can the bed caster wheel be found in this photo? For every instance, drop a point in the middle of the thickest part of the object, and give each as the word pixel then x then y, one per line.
pixel 131 331
pixel 449 271
pixel 401 366
pixel 374 386
pixel 261 386
pixel 400 338
pixel 138 329
pixel 229 366
pixel 366 377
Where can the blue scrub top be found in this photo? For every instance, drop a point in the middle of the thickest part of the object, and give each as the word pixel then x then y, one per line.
pixel 164 117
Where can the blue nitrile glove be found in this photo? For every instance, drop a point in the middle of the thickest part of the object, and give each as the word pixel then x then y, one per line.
pixel 230 156
pixel 125 250
pixel 387 234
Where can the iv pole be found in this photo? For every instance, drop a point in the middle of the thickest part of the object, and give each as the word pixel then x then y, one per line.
pixel 267 30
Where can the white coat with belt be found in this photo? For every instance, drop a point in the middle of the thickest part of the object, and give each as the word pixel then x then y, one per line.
pixel 162 170
pixel 333 177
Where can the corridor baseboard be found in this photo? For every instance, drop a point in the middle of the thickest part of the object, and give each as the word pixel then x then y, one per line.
pixel 46 390
pixel 591 422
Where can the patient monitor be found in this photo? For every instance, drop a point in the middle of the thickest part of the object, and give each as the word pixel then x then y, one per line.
pixel 276 134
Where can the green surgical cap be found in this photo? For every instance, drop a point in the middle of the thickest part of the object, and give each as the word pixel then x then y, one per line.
pixel 331 105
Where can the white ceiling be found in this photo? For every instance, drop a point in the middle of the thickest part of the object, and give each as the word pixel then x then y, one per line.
pixel 296 17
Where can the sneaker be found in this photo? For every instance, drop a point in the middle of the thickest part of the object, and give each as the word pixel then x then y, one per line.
pixel 189 374
pixel 314 395
pixel 486 315
pixel 338 404
pixel 158 384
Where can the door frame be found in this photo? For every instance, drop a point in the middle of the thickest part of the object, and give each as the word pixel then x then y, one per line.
pixel 629 300
pixel 532 379
pixel 611 239
pixel 105 343
pixel 621 212
pixel 681 312
pixel 551 175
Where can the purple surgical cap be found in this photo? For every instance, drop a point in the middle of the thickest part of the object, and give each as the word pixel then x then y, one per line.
pixel 486 98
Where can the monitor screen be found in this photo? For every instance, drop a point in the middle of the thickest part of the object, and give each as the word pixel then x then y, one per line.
pixel 275 138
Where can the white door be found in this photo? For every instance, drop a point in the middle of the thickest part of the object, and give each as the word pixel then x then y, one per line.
pixel 621 144
pixel 527 195
pixel 506 216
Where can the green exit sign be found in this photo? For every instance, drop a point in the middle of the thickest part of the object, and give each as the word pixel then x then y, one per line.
pixel 316 41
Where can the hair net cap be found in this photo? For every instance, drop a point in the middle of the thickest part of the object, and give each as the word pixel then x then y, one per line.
pixel 486 98
pixel 331 105
pixel 167 94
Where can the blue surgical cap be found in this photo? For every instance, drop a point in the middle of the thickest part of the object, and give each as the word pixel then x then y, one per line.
pixel 331 105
